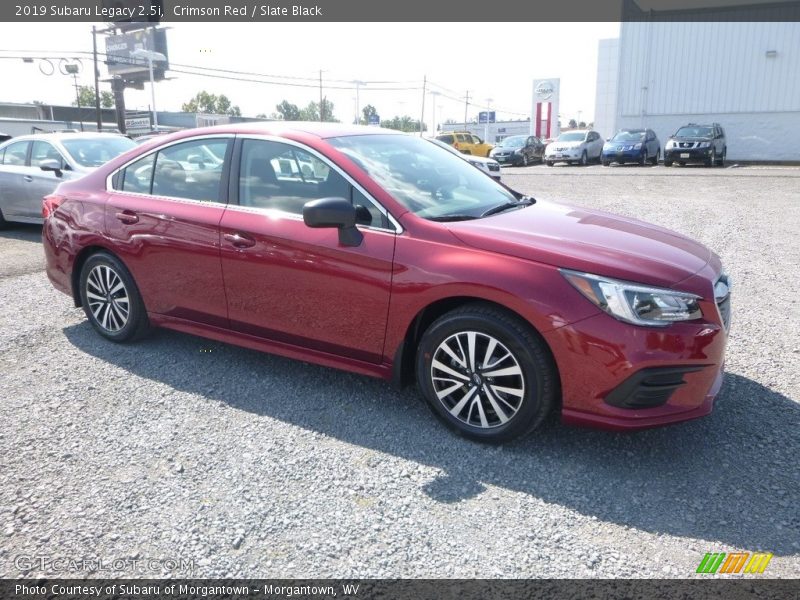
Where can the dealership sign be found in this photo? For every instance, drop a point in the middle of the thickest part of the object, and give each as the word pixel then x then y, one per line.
pixel 137 124
pixel 121 60
pixel 545 90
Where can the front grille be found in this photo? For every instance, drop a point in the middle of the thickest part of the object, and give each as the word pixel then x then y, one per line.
pixel 686 144
pixel 722 296
pixel 494 167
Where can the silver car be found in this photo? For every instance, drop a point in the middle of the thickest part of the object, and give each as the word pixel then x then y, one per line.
pixel 32 166
pixel 488 165
pixel 574 147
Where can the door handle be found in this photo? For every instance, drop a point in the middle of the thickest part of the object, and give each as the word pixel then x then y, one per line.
pixel 128 217
pixel 239 240
pixel 28 178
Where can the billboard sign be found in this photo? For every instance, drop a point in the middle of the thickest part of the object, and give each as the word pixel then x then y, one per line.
pixel 120 49
pixel 482 116
pixel 374 120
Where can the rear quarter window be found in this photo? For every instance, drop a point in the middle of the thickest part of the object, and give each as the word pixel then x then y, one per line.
pixel 447 139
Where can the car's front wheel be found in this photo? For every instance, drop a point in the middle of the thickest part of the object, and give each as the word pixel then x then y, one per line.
pixel 486 374
pixel 111 300
pixel 584 159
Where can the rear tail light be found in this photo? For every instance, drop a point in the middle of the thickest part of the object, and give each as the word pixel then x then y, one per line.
pixel 50 204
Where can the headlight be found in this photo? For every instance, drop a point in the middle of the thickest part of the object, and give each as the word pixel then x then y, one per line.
pixel 637 147
pixel 633 303
pixel 670 144
pixel 703 144
pixel 475 163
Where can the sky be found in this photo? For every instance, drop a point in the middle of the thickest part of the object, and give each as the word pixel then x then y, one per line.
pixel 491 60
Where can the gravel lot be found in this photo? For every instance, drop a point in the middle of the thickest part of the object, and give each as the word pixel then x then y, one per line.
pixel 257 466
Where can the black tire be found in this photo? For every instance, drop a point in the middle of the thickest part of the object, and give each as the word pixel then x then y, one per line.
pixel 108 316
pixel 721 160
pixel 549 163
pixel 524 160
pixel 712 160
pixel 584 159
pixel 643 158
pixel 606 163
pixel 536 382
pixel 667 163
pixel 3 222
pixel 654 160
pixel 681 163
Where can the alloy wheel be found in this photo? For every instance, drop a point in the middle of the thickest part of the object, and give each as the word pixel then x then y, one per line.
pixel 477 379
pixel 108 298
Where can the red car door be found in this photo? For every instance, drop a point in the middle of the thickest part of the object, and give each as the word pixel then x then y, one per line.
pixel 289 283
pixel 163 217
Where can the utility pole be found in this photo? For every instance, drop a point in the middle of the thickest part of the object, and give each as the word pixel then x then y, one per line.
pixel 486 127
pixel 422 116
pixel 434 94
pixel 358 101
pixel 320 96
pixel 73 70
pixel 466 106
pixel 97 113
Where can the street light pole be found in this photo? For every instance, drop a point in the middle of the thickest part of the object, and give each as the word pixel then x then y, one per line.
pixel 73 70
pixel 150 56
pixel 486 126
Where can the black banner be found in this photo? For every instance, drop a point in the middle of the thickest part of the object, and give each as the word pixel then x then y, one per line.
pixel 152 11
pixel 400 589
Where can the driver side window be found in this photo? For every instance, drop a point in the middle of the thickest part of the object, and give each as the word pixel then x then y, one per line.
pixel 283 177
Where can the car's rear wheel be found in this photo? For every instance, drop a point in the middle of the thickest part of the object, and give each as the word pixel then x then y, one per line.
pixel 111 300
pixel 486 374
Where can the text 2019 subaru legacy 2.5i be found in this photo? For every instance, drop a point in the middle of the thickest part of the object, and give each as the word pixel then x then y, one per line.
pixel 383 254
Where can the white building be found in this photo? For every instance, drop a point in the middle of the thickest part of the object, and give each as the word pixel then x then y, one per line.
pixel 743 75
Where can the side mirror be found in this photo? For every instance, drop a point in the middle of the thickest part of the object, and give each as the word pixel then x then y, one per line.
pixel 334 212
pixel 51 164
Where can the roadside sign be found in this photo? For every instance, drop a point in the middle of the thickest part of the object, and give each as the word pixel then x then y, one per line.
pixel 482 116
pixel 138 124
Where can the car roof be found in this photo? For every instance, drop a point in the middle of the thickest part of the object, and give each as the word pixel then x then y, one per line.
pixel 65 135
pixel 321 130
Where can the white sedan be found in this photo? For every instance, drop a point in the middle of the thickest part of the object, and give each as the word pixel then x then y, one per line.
pixel 488 165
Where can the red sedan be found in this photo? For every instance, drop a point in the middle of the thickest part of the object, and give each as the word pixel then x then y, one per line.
pixel 382 254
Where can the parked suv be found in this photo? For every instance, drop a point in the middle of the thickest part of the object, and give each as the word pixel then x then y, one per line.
pixel 695 143
pixel 465 142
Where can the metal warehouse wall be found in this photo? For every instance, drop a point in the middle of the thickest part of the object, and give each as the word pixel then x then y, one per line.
pixel 746 76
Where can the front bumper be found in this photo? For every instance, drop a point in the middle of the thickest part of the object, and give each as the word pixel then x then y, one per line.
pixel 507 159
pixel 621 155
pixel 566 155
pixel 646 377
pixel 688 154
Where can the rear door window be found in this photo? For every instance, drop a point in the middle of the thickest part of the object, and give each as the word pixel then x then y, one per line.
pixel 191 170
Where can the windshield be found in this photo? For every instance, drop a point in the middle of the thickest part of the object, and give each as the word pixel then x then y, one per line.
pixel 694 132
pixel 572 136
pixel 515 141
pixel 93 152
pixel 426 179
pixel 629 136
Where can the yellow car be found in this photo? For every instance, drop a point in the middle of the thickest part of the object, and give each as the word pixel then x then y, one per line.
pixel 465 142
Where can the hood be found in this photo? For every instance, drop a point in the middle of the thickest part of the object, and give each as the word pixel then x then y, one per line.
pixel 506 149
pixel 479 159
pixel 558 144
pixel 587 240
pixel 690 138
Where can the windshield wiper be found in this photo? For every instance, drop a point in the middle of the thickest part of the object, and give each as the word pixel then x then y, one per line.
pixel 446 218
pixel 522 202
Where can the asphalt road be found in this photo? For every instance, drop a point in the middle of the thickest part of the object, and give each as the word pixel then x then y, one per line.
pixel 244 464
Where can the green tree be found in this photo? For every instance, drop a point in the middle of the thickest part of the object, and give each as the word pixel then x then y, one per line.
pixel 404 123
pixel 582 125
pixel 369 111
pixel 572 124
pixel 311 112
pixel 203 102
pixel 288 111
pixel 86 95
